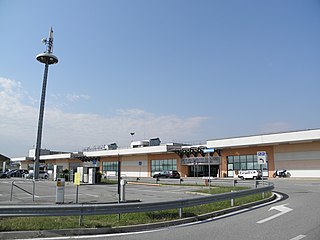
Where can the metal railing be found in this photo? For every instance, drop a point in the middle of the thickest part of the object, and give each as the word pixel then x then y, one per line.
pixel 22 189
pixel 103 209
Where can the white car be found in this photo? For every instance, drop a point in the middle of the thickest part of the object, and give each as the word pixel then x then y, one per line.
pixel 42 174
pixel 249 174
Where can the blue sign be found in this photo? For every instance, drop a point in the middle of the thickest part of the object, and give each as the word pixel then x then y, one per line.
pixel 208 150
pixel 262 157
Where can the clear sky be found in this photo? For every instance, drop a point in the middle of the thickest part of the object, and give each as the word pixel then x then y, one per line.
pixel 180 70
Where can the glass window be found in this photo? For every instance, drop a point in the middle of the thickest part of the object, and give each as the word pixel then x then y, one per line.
pixel 243 159
pixel 236 166
pixel 163 165
pixel 256 165
pixel 249 158
pixel 244 162
pixel 243 166
pixel 250 165
pixel 230 159
pixel 109 166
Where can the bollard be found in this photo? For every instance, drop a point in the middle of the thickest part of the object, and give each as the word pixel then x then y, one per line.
pixel 232 200
pixel 80 220
pixel 123 190
pixel 180 212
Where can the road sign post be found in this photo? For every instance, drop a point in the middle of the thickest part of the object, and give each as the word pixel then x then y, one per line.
pixel 262 160
pixel 77 183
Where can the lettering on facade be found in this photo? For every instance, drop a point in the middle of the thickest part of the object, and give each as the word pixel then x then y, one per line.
pixel 214 160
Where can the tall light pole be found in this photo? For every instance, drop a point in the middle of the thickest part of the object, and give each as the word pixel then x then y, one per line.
pixel 46 58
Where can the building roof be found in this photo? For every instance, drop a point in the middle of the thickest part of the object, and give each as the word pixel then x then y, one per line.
pixel 267 139
pixel 3 158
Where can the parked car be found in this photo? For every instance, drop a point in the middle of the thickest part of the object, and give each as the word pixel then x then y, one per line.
pixel 3 175
pixel 42 174
pixel 167 174
pixel 17 173
pixel 249 174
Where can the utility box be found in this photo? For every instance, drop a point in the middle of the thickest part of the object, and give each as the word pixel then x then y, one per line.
pixel 60 190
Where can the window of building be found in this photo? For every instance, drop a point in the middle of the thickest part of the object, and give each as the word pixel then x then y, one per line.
pixel 244 162
pixel 163 165
pixel 109 166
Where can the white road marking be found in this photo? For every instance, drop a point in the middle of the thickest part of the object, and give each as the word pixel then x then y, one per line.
pixel 97 236
pixel 92 195
pixel 282 210
pixel 298 237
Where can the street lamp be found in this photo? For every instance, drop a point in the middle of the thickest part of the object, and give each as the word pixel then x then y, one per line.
pixel 46 58
pixel 132 134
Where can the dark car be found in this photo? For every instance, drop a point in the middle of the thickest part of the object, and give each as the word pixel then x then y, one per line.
pixel 18 173
pixel 3 175
pixel 167 174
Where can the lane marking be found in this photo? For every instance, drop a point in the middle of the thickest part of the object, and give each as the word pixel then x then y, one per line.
pixel 92 195
pixel 298 237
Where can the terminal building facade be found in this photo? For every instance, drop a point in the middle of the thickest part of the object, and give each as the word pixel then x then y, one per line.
pixel 297 151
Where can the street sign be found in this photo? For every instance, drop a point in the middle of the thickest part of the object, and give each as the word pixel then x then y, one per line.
pixel 77 178
pixel 208 150
pixel 262 157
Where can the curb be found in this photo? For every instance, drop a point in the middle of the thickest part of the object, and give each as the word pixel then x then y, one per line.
pixel 143 183
pixel 125 229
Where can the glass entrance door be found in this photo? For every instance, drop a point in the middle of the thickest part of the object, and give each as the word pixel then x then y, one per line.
pixel 203 170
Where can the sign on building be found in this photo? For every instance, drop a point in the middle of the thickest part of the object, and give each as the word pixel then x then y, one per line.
pixel 262 157
pixel 213 160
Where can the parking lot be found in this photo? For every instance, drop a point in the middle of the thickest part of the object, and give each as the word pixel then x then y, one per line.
pixel 45 192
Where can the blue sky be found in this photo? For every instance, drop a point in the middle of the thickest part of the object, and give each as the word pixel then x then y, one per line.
pixel 180 70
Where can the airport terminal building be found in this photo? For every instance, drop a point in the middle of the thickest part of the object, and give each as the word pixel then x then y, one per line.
pixel 297 151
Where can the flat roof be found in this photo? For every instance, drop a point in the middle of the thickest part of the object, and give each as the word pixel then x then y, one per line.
pixel 267 139
pixel 129 151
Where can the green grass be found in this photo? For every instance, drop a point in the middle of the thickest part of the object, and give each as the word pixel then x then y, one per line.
pixel 221 189
pixel 108 181
pixel 99 221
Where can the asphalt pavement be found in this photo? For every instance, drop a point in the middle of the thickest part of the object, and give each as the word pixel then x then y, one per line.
pixel 295 217
pixel 146 190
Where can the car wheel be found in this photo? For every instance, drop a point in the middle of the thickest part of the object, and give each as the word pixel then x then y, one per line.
pixel 242 178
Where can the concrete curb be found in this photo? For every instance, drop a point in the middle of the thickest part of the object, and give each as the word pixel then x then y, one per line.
pixel 143 183
pixel 125 229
